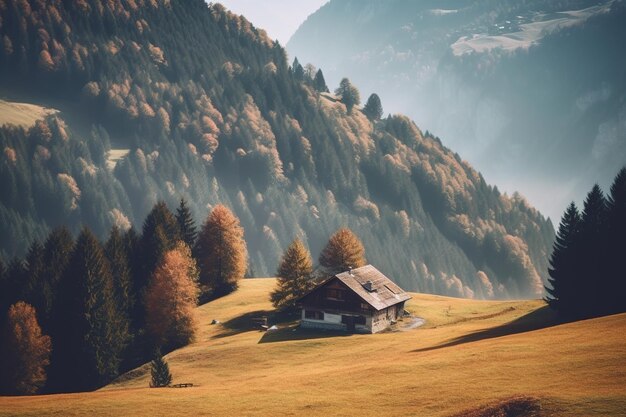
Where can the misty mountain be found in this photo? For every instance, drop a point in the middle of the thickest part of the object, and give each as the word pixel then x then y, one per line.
pixel 531 92
pixel 160 100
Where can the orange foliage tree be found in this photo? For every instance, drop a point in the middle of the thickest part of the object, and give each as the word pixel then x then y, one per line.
pixel 171 298
pixel 343 251
pixel 223 256
pixel 26 352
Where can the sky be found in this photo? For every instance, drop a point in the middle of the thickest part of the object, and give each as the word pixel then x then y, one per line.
pixel 280 18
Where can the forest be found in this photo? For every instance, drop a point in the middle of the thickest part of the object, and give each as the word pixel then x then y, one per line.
pixel 209 110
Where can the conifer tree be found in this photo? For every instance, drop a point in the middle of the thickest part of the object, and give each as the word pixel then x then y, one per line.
pixel 563 276
pixel 349 94
pixel 171 298
pixel 57 252
pixel 373 108
pixel 297 69
pixel 186 224
pixel 615 243
pixel 319 82
pixel 94 332
pixel 160 371
pixel 294 275
pixel 117 255
pixel 25 352
pixel 222 253
pixel 343 251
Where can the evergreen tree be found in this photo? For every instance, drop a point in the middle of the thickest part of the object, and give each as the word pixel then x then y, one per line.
pixel 117 255
pixel 160 371
pixel 94 333
pixel 35 289
pixel 222 253
pixel 171 299
pixel 589 265
pixel 349 94
pixel 186 224
pixel 373 108
pixel 563 275
pixel 294 276
pixel 343 251
pixel 160 233
pixel 57 252
pixel 298 71
pixel 319 82
pixel 615 243
pixel 25 352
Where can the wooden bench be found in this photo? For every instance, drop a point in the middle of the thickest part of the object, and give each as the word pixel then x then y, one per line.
pixel 183 385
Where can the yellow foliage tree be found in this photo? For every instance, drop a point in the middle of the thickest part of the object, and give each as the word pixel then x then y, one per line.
pixel 26 352
pixel 343 251
pixel 294 275
pixel 171 298
pixel 223 256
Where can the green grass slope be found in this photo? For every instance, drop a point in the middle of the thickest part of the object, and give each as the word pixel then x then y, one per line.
pixel 470 355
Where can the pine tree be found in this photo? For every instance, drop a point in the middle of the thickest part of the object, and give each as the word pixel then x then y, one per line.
pixel 186 224
pixel 171 299
pixel 373 108
pixel 117 255
pixel 94 332
pixel 343 251
pixel 319 82
pixel 294 276
pixel 298 71
pixel 615 232
pixel 153 246
pixel 222 253
pixel 563 288
pixel 25 352
pixel 58 249
pixel 591 256
pixel 160 371
pixel 349 94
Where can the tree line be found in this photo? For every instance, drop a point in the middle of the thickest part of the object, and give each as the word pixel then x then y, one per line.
pixel 77 313
pixel 586 267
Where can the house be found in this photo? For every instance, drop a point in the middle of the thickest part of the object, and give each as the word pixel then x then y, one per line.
pixel 361 300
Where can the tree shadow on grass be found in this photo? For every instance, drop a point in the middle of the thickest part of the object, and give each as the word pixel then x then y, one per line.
pixel 248 322
pixel 539 319
pixel 295 332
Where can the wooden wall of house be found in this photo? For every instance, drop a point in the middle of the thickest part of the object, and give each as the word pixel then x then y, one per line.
pixel 351 301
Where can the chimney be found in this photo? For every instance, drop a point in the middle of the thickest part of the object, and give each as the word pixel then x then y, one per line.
pixel 368 286
pixel 350 271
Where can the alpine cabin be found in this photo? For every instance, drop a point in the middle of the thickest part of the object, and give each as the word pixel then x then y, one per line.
pixel 361 300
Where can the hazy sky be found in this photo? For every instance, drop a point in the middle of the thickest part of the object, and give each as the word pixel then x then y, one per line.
pixel 280 18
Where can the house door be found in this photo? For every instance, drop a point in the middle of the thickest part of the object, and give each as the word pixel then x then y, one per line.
pixel 349 321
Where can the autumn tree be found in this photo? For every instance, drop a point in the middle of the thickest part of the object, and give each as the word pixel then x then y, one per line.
pixel 294 275
pixel 171 298
pixel 159 371
pixel 25 351
pixel 349 94
pixel 343 251
pixel 187 225
pixel 373 109
pixel 94 334
pixel 222 252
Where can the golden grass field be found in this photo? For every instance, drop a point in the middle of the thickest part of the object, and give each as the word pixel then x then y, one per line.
pixel 468 355
pixel 22 114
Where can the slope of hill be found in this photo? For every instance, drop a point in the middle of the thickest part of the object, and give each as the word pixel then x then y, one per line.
pixel 532 93
pixel 209 110
pixel 469 353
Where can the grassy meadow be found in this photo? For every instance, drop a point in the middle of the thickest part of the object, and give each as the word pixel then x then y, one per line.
pixel 22 114
pixel 469 354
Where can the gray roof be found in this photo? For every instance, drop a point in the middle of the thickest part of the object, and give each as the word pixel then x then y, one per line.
pixel 382 292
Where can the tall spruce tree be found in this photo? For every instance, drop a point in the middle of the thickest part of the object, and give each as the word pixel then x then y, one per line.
pixel 615 231
pixel 319 82
pixel 93 337
pixel 58 249
pixel 297 69
pixel 349 94
pixel 591 256
pixel 160 371
pixel 294 276
pixel 187 225
pixel 563 286
pixel 155 243
pixel 117 255
pixel 373 109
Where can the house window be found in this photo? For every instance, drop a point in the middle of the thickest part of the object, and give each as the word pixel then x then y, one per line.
pixel 355 319
pixel 365 306
pixel 334 294
pixel 314 315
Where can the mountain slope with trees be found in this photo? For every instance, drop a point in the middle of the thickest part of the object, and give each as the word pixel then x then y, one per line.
pixel 210 111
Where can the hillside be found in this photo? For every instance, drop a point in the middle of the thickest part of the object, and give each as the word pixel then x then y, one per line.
pixel 166 99
pixel 531 93
pixel 469 353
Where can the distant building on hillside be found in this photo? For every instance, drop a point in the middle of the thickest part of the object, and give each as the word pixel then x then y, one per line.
pixel 361 300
